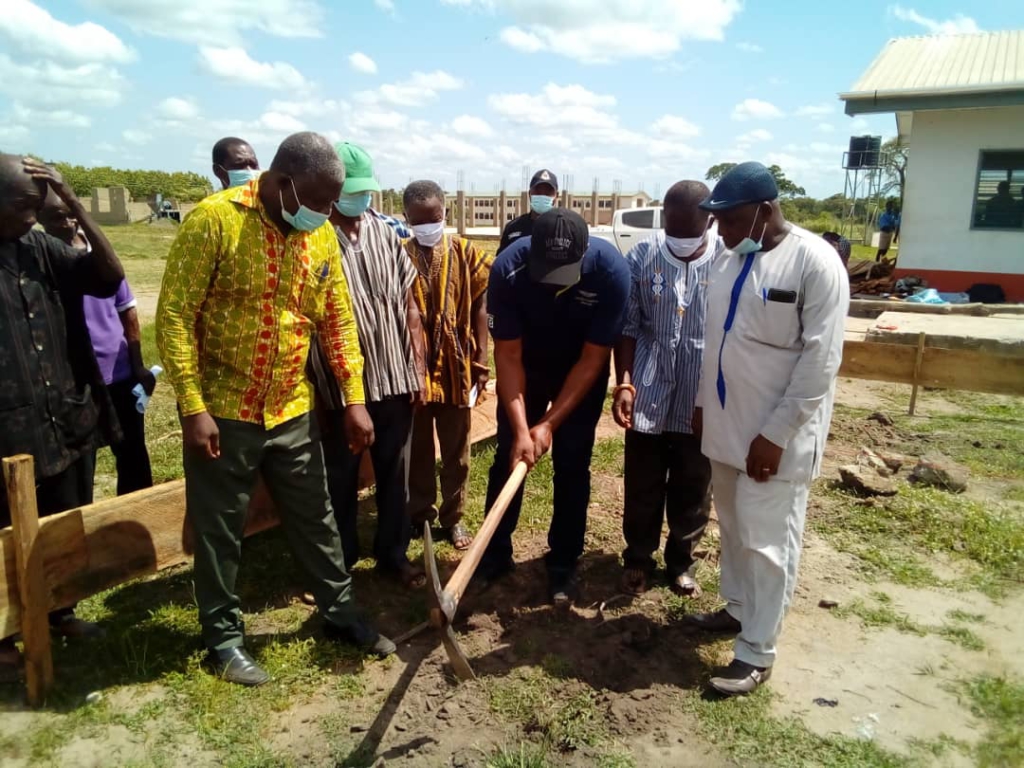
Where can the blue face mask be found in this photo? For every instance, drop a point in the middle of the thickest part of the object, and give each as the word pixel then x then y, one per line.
pixel 238 177
pixel 540 204
pixel 747 244
pixel 353 206
pixel 305 219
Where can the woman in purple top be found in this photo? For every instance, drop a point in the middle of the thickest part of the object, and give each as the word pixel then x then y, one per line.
pixel 117 341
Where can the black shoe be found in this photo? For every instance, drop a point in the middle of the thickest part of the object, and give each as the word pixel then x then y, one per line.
pixel 562 589
pixel 362 636
pixel 235 665
pixel 719 621
pixel 740 678
pixel 489 572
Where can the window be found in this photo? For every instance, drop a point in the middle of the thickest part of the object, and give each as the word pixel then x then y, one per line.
pixel 999 193
pixel 639 219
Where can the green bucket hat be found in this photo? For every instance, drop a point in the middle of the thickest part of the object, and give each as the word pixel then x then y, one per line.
pixel 358 169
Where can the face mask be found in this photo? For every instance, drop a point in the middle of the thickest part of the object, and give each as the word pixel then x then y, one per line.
pixel 685 247
pixel 541 203
pixel 305 219
pixel 747 245
pixel 428 235
pixel 240 176
pixel 353 206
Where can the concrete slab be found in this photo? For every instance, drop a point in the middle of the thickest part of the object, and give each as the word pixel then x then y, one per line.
pixel 1001 335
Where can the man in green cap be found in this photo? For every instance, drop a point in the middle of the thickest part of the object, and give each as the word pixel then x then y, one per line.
pixel 380 277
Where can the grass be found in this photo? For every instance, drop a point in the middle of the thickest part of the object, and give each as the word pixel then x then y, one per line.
pixel 999 703
pixel 880 612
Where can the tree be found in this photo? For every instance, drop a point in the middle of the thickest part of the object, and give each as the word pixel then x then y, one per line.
pixel 894 166
pixel 142 185
pixel 786 187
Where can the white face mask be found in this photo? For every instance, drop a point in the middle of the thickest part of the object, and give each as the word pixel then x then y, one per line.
pixel 685 247
pixel 428 235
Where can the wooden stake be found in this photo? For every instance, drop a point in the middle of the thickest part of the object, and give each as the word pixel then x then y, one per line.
pixel 19 477
pixel 917 371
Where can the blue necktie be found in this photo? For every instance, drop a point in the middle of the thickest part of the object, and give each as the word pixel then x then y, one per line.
pixel 734 300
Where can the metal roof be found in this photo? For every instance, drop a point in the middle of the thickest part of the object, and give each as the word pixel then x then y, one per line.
pixel 943 66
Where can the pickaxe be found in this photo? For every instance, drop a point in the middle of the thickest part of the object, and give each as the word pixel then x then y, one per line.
pixel 445 602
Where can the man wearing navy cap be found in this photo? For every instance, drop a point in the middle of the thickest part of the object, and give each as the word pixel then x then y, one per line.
pixel 556 304
pixel 774 342
pixel 543 196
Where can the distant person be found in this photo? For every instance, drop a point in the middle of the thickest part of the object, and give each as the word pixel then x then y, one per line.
pixel 253 272
pixel 450 291
pixel 53 403
pixel 657 364
pixel 113 325
pixel 557 302
pixel 888 224
pixel 234 162
pixel 776 311
pixel 1002 210
pixel 543 197
pixel 840 244
pixel 380 278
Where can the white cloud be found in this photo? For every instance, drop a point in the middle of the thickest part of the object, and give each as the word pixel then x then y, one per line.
pixel 421 88
pixel 958 24
pixel 595 32
pixel 105 146
pixel 826 128
pixel 218 22
pixel 59 118
pixel 755 109
pixel 750 47
pixel 673 126
pixel 861 124
pixel 822 148
pixel 556 106
pixel 236 66
pixel 388 6
pixel 135 136
pixel 34 31
pixel 360 62
pixel 45 83
pixel 278 122
pixel 12 134
pixel 176 108
pixel 754 136
pixel 467 125
pixel 816 110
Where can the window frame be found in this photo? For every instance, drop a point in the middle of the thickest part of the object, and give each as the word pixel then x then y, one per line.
pixel 979 167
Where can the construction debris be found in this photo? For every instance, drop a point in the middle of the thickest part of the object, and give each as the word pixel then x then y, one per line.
pixel 942 472
pixel 865 481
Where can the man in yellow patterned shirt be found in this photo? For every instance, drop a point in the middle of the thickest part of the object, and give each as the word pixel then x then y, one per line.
pixel 253 272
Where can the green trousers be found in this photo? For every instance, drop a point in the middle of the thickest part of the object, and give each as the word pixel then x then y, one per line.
pixel 217 493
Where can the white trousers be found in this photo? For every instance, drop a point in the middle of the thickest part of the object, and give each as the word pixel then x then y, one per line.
pixel 762 528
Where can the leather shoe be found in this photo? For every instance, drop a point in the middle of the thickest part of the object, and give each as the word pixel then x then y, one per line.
pixel 235 665
pixel 719 621
pixel 562 589
pixel 362 636
pixel 740 678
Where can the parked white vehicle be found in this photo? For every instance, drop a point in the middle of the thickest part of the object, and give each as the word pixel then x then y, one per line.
pixel 629 226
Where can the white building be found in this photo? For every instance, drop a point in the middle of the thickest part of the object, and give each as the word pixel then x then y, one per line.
pixel 959 105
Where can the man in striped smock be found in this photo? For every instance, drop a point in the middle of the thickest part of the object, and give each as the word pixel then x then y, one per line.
pixel 657 364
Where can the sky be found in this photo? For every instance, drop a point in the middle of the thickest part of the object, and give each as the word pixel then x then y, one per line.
pixel 636 92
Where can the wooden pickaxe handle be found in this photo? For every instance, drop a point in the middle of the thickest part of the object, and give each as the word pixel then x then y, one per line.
pixel 467 566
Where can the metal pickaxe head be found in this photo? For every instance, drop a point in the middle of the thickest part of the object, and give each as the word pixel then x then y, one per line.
pixel 442 610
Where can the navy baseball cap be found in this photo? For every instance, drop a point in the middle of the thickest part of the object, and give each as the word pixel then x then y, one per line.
pixel 559 240
pixel 544 176
pixel 741 185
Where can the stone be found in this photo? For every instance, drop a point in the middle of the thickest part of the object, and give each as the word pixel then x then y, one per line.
pixel 872 460
pixel 881 418
pixel 359 729
pixel 938 471
pixel 865 482
pixel 894 461
pixel 828 604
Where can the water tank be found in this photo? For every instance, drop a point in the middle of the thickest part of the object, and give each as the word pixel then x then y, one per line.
pixel 872 152
pixel 855 157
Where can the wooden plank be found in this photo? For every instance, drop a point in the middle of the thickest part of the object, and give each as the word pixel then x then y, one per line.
pixel 20 480
pixel 922 339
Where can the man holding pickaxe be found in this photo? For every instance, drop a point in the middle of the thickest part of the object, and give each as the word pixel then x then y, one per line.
pixel 556 304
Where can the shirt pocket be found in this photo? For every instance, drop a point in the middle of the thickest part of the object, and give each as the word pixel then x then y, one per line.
pixel 773 322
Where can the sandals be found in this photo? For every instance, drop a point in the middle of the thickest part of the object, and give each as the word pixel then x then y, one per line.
pixel 685 585
pixel 634 581
pixel 459 537
pixel 411 576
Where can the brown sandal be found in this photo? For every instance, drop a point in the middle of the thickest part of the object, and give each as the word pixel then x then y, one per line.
pixel 459 537
pixel 634 581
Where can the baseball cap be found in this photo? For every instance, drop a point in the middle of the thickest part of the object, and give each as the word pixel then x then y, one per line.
pixel 544 176
pixel 560 238
pixel 358 169
pixel 741 185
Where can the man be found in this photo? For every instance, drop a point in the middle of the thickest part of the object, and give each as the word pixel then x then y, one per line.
pixel 450 293
pixel 113 325
pixel 556 302
pixel 380 278
pixel 543 196
pixel 888 224
pixel 1002 210
pixel 776 310
pixel 657 364
pixel 53 405
pixel 234 162
pixel 253 272
pixel 840 244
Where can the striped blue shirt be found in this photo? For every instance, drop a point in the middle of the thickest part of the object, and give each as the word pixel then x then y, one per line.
pixel 666 315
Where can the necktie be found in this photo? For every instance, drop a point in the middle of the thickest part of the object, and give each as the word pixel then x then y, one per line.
pixel 734 301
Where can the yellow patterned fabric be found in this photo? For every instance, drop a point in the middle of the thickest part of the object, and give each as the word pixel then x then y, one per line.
pixel 238 306
pixel 447 285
